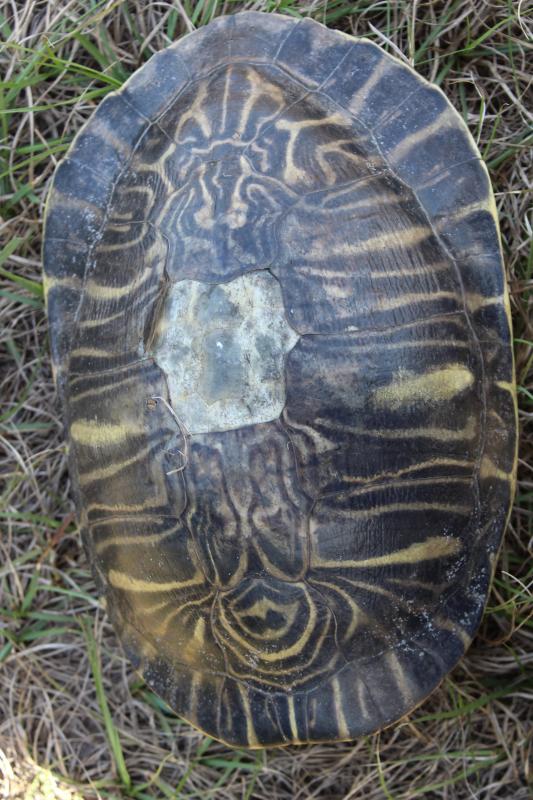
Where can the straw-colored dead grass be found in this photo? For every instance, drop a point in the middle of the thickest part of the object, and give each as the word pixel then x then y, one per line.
pixel 470 739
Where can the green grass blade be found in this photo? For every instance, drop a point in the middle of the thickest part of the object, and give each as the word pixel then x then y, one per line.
pixel 111 731
pixel 20 298
pixel 467 708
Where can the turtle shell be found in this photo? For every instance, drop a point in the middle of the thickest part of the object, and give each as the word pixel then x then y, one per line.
pixel 280 331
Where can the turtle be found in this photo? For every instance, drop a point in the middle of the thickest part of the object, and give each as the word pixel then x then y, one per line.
pixel 281 337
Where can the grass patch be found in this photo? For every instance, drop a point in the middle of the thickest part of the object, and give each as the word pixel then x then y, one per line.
pixel 75 722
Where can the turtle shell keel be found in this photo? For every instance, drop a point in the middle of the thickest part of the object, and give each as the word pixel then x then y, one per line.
pixel 281 336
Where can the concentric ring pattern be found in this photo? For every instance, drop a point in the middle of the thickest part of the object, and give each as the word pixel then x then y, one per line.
pixel 281 335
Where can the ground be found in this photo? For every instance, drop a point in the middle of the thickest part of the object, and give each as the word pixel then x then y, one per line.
pixel 75 721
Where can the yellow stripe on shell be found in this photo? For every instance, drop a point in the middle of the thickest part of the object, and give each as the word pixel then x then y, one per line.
pixel 476 301
pixel 132 541
pixel 194 650
pixel 407 237
pixel 292 718
pixel 362 692
pixel 99 291
pixel 92 352
pixel 112 469
pixel 405 483
pixel 358 99
pixel 251 735
pixel 488 469
pixel 92 433
pixel 485 204
pixel 158 245
pixel 374 481
pixel 392 508
pixel 161 627
pixel 122 509
pixel 399 675
pixel 100 128
pixel 404 272
pixel 440 434
pixel 261 608
pixel 291 172
pixel 434 547
pixel 121 580
pixel 65 281
pixel 430 387
pixel 294 649
pixel 453 627
pixel 99 322
pixel 342 726
pixel 358 615
pixel 506 386
pixel 446 119
pixel 323 270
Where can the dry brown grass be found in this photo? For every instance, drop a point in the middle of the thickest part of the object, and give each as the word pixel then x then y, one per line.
pixel 470 739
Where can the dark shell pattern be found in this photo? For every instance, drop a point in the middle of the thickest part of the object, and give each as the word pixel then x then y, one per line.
pixel 281 335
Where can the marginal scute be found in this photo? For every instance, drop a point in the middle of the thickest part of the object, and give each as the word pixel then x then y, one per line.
pixel 149 90
pixel 476 234
pixel 484 280
pixel 209 47
pixel 280 331
pixel 80 183
pixel 311 52
pixel 114 130
pixel 257 36
pixel 454 190
pixel 365 66
pixel 78 211
pixel 65 262
pixel 417 165
pixel 422 116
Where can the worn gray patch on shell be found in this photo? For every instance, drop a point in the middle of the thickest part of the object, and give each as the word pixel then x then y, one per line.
pixel 222 348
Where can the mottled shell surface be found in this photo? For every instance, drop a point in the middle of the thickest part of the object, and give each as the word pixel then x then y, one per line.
pixel 281 337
